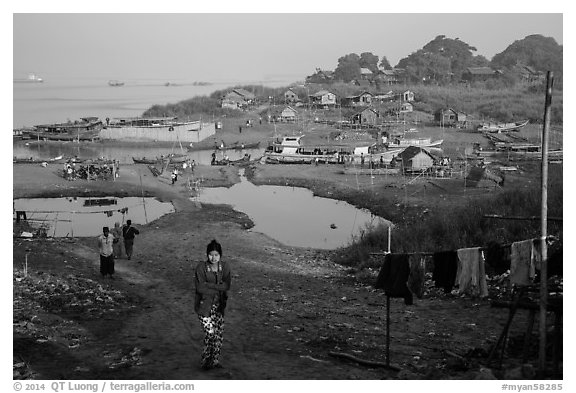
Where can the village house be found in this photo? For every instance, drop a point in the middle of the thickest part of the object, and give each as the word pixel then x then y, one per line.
pixel 415 159
pixel 366 74
pixel 363 83
pixel 407 96
pixel 362 99
pixel 323 99
pixel 449 117
pixel 389 96
pixel 290 96
pixel 528 75
pixel 368 116
pixel 386 77
pixel 289 115
pixel 238 99
pixel 479 74
pixel 406 107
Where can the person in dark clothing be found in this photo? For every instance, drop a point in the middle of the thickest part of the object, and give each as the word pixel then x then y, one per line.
pixel 128 233
pixel 212 281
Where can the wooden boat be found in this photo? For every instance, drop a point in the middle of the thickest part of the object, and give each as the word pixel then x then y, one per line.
pixel 86 129
pixel 419 142
pixel 32 78
pixel 115 83
pixel 292 150
pixel 145 160
pixel 175 158
pixel 240 146
pixel 502 127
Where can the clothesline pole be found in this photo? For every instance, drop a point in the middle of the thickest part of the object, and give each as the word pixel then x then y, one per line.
pixel 389 237
pixel 543 225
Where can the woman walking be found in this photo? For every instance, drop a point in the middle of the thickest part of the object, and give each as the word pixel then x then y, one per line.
pixel 212 280
pixel 118 244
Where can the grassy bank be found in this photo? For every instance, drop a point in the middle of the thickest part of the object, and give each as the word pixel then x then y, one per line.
pixel 465 225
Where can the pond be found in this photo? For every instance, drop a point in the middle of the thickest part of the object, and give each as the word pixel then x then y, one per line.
pixel 81 217
pixel 294 216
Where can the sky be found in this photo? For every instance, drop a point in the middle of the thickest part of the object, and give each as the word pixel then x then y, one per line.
pixel 247 46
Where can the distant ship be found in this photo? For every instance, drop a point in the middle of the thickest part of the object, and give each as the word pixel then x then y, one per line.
pixel 32 78
pixel 115 83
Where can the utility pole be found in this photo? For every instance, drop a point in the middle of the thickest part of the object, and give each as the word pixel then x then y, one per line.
pixel 543 225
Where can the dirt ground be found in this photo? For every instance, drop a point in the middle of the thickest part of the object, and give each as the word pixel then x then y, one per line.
pixel 289 308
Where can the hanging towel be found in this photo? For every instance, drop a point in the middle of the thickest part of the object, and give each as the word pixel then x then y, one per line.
pixel 393 277
pixel 417 277
pixel 472 276
pixel 537 253
pixel 445 267
pixel 522 269
pixel 498 257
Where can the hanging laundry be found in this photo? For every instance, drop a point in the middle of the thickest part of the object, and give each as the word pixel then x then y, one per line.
pixel 445 268
pixel 471 278
pixel 417 277
pixel 497 257
pixel 393 277
pixel 522 269
pixel 537 253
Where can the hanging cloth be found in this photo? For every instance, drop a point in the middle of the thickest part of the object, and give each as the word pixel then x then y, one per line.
pixel 497 257
pixel 445 268
pixel 393 277
pixel 522 269
pixel 417 277
pixel 472 275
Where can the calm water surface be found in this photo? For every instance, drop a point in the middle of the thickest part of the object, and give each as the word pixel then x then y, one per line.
pixel 294 216
pixel 62 217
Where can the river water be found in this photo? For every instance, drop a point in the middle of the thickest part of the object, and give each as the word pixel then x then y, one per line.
pixel 59 98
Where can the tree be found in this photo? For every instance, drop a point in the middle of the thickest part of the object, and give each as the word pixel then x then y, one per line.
pixel 348 67
pixel 370 61
pixel 385 64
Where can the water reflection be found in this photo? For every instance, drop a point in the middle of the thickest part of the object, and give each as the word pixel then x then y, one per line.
pixel 78 217
pixel 294 216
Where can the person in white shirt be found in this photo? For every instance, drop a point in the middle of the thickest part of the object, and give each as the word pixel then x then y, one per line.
pixel 105 242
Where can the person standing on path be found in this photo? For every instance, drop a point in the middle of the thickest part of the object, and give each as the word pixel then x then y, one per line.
pixel 212 281
pixel 129 232
pixel 105 242
pixel 118 240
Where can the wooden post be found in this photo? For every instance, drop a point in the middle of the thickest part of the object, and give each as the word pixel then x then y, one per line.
pixel 387 330
pixel 543 225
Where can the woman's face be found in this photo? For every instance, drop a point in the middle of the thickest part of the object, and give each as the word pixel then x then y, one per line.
pixel 213 257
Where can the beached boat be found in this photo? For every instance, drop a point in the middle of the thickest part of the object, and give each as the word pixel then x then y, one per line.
pixel 115 83
pixel 157 129
pixel 32 78
pixel 145 160
pixel 292 150
pixel 502 127
pixel 86 129
pixel 418 142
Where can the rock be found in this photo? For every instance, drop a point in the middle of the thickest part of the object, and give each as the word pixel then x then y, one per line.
pixel 484 374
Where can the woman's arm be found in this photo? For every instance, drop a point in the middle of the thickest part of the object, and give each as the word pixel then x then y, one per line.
pixel 202 285
pixel 226 280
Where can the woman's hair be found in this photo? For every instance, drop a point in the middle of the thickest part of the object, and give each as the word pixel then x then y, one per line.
pixel 214 246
